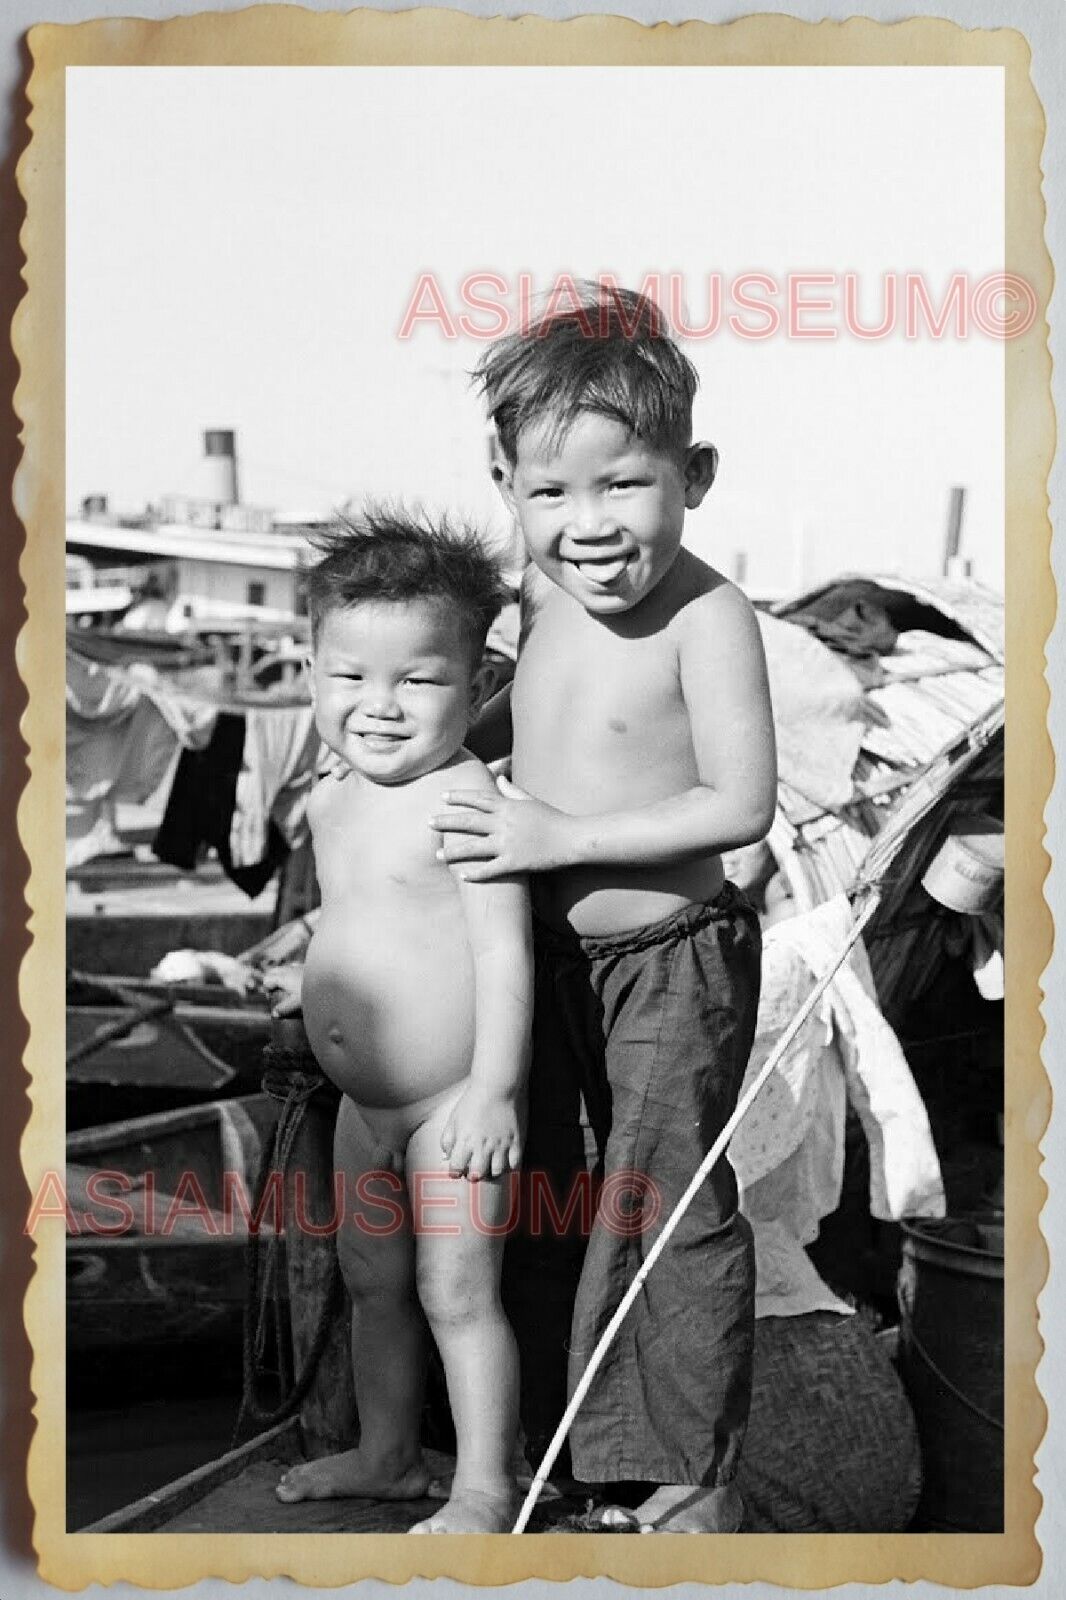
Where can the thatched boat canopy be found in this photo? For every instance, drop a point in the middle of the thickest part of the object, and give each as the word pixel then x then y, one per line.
pixel 930 757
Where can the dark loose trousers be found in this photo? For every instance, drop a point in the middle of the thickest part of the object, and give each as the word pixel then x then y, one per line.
pixel 649 1033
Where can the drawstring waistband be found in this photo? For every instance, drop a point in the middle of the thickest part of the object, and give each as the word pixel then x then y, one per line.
pixel 680 924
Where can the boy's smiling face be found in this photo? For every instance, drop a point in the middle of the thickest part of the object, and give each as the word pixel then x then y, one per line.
pixel 602 511
pixel 394 687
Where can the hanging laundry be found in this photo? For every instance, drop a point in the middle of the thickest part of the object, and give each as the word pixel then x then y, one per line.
pixel 788 1153
pixel 274 782
pixel 124 731
pixel 200 810
pixel 787 1283
pixel 905 1175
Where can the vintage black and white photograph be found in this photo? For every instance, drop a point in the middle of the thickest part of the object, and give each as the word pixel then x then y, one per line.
pixel 535 567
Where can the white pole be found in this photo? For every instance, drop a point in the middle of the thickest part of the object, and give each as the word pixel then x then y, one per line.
pixel 709 1161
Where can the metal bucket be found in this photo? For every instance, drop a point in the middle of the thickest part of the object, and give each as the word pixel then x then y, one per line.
pixel 966 874
pixel 951 1361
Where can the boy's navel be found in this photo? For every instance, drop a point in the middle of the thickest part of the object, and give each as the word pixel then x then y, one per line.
pixel 616 725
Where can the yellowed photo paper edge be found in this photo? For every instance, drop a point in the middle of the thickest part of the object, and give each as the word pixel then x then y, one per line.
pixel 285 36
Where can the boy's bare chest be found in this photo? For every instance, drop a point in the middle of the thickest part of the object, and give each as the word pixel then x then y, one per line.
pixel 586 698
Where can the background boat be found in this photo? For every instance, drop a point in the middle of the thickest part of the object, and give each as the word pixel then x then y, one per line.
pixel 159 1255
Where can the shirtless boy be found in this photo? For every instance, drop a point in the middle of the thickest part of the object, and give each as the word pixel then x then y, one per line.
pixel 643 748
pixel 417 999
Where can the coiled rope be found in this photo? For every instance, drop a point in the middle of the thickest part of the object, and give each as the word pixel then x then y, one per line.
pixel 293 1078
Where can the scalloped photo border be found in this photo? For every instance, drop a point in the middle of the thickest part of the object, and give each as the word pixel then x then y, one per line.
pixel 288 36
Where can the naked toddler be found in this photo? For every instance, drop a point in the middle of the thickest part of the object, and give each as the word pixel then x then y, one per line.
pixel 416 999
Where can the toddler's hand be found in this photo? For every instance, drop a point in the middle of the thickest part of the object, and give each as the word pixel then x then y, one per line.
pixel 283 984
pixel 494 835
pixel 482 1138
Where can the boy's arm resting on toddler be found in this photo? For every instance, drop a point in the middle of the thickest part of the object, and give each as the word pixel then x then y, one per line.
pixel 483 1136
pixel 725 691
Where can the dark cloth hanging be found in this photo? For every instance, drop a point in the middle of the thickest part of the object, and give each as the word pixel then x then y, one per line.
pixel 200 810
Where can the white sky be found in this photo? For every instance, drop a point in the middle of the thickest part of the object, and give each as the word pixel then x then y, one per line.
pixel 242 244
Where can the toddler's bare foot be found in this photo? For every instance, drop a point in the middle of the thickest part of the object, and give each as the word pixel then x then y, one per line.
pixel 354 1475
pixel 474 1511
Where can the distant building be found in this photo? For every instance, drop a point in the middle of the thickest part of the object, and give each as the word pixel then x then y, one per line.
pixel 214 573
pixel 204 556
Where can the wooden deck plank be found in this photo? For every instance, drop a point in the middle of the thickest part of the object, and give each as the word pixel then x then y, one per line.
pixel 236 1495
pixel 157 1510
pixel 248 1504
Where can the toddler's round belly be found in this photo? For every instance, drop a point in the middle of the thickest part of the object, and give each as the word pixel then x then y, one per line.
pixel 389 1011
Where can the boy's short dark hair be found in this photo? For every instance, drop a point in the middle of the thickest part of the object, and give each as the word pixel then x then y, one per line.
pixel 387 554
pixel 608 352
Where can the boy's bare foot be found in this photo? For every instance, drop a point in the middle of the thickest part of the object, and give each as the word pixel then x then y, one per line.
pixel 352 1475
pixel 473 1511
pixel 679 1508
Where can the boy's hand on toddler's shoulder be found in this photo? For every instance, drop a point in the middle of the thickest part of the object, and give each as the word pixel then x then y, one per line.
pixel 492 835
pixel 483 1137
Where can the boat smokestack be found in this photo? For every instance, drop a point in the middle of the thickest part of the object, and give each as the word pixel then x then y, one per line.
pixel 220 466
